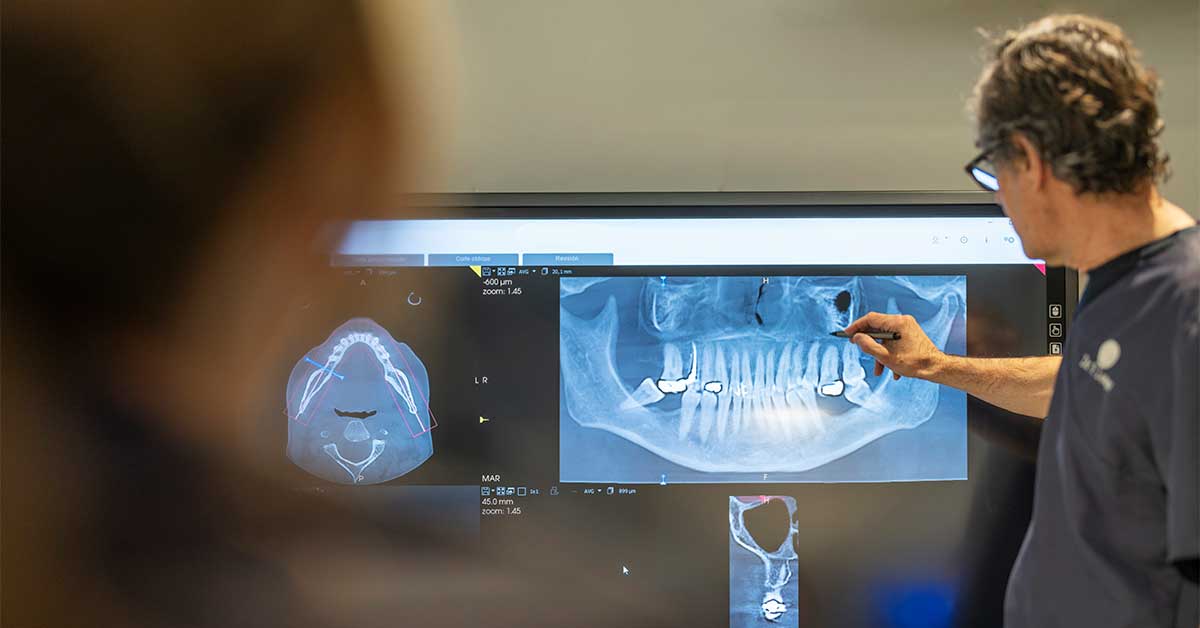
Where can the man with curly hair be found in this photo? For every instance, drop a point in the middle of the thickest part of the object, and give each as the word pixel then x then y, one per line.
pixel 1067 127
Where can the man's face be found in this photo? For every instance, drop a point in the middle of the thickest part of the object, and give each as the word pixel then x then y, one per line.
pixel 1030 210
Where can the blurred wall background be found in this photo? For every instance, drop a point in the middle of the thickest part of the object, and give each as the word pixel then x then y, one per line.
pixel 747 95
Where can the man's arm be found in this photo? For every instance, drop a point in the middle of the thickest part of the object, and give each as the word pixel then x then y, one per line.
pixel 1021 385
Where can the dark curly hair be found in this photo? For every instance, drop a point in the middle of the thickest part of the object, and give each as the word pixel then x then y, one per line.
pixel 1074 86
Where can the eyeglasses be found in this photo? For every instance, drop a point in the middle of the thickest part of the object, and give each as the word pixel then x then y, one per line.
pixel 980 170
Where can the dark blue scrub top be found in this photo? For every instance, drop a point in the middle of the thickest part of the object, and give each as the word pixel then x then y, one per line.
pixel 1116 520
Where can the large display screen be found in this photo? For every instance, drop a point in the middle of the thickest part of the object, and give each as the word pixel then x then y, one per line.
pixel 645 417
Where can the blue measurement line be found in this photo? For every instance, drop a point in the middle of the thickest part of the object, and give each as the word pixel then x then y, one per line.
pixel 324 368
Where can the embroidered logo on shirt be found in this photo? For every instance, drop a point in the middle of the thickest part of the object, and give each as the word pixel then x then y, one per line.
pixel 1106 357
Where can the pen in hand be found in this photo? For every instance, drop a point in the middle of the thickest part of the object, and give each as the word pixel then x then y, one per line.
pixel 877 335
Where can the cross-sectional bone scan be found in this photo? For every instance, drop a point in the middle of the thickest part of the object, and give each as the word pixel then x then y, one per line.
pixel 737 379
pixel 763 590
pixel 357 407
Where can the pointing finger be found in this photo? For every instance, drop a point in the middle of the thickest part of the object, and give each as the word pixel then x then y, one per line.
pixel 870 347
pixel 877 321
pixel 863 323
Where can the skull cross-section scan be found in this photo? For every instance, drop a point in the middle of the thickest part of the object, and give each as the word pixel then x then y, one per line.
pixel 761 579
pixel 358 409
pixel 740 374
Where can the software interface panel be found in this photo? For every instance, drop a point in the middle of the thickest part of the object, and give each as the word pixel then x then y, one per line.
pixel 652 412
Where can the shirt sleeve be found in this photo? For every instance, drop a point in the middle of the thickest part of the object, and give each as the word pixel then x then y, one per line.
pixel 1177 446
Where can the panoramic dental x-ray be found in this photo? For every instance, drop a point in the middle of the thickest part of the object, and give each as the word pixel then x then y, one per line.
pixel 716 379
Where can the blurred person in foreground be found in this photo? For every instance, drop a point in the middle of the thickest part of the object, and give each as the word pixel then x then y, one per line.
pixel 1068 127
pixel 170 171
pixel 167 170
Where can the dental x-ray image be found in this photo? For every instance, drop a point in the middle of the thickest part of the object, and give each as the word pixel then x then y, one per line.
pixel 763 589
pixel 672 379
pixel 357 407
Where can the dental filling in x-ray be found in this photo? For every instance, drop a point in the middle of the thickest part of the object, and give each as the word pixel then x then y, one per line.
pixel 357 407
pixel 737 379
pixel 763 590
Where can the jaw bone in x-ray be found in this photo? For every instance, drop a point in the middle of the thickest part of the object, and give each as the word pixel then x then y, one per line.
pixel 740 374
pixel 357 407
pixel 762 583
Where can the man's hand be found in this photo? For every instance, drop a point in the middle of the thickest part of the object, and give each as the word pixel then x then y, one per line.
pixel 1021 385
pixel 913 355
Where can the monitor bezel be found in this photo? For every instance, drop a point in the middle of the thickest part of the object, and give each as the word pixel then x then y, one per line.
pixel 501 205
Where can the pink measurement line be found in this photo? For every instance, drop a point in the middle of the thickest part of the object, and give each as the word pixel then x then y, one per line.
pixel 395 402
pixel 404 412
pixel 432 419
pixel 316 404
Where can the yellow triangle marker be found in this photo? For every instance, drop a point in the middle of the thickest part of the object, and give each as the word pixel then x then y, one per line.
pixel 483 420
pixel 478 270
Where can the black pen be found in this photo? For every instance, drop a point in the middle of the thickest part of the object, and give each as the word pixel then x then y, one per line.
pixel 877 335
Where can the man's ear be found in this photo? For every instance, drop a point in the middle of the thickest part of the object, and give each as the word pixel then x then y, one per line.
pixel 1032 160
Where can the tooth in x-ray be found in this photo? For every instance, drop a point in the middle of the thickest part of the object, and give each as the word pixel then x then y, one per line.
pixel 740 374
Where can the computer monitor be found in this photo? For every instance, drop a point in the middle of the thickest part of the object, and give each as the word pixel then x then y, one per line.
pixel 641 396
